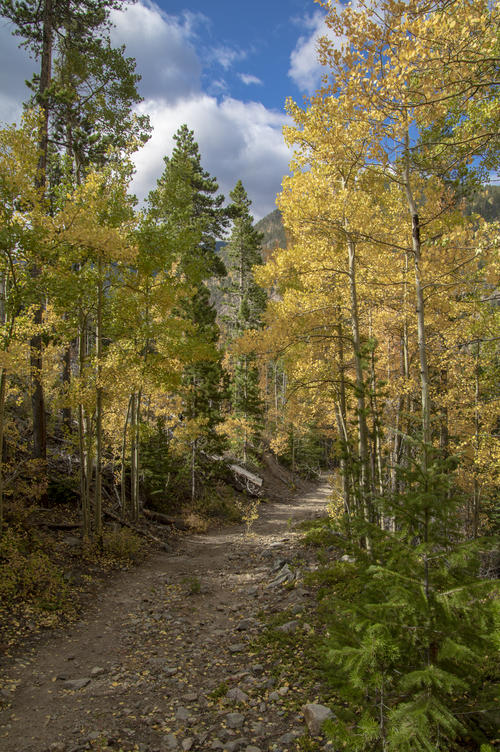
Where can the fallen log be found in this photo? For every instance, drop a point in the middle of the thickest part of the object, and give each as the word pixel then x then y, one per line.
pixel 162 519
pixel 255 480
pixel 138 530
pixel 243 478
pixel 56 525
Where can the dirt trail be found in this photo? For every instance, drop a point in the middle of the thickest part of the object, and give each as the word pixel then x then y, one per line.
pixel 139 669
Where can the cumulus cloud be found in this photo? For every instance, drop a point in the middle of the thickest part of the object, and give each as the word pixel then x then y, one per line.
pixel 15 68
pixel 237 140
pixel 248 79
pixel 305 69
pixel 164 48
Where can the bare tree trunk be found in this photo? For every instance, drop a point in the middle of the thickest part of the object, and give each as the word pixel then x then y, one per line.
pixel 193 470
pixel 276 387
pixel 444 436
pixel 3 389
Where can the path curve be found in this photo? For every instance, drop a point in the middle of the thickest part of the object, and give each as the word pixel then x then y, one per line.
pixel 140 668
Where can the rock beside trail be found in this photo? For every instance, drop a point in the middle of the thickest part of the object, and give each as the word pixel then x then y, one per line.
pixel 235 720
pixel 76 683
pixel 290 626
pixel 246 624
pixel 237 647
pixel 315 716
pixel 283 576
pixel 237 695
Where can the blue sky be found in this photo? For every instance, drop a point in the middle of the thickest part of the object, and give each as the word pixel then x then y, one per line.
pixel 224 68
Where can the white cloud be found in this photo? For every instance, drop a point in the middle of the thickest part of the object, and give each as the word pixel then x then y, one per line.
pixel 227 56
pixel 15 68
pixel 305 69
pixel 237 140
pixel 248 79
pixel 164 48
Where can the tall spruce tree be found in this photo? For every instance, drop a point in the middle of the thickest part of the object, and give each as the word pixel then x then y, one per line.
pixel 246 302
pixel 187 197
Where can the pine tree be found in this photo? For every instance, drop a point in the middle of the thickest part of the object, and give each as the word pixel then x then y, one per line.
pixel 187 199
pixel 411 644
pixel 246 302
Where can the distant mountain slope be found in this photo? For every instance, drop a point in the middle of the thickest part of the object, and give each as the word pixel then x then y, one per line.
pixel 272 227
pixel 486 203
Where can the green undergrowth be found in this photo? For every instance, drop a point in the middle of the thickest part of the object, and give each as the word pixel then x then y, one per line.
pixel 320 533
pixel 370 624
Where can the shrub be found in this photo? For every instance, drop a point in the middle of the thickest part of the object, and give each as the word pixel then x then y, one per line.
pixel 123 544
pixel 27 574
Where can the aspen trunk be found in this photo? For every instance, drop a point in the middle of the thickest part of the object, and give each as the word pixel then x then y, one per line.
pixel 419 295
pixel 344 464
pixel 82 440
pixel 66 379
pixel 477 429
pixel 193 470
pixel 137 457
pixel 377 476
pixel 133 437
pixel 360 384
pixel 98 472
pixel 245 402
pixel 444 436
pixel 123 472
pixel 3 389
pixel 276 388
pixel 341 419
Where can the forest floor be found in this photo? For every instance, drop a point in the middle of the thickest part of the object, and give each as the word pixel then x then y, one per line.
pixel 172 655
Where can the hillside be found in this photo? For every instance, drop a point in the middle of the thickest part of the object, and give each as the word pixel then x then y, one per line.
pixel 486 203
pixel 272 227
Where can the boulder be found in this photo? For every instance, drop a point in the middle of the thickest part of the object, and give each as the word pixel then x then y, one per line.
pixel 315 715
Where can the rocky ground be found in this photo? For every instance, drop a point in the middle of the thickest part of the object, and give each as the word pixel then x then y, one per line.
pixel 168 657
